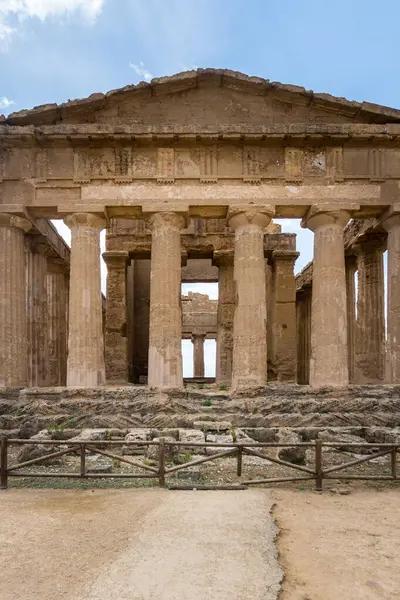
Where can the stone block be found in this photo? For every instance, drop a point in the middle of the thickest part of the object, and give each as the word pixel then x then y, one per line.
pixel 30 452
pixel 91 435
pixel 171 451
pixel 294 454
pixel 217 426
pixel 219 439
pixel 136 435
pixel 170 433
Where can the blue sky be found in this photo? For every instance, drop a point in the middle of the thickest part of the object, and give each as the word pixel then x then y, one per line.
pixel 54 50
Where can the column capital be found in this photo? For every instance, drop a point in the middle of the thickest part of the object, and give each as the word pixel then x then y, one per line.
pixel 222 257
pixel 195 336
pixel 57 266
pixel 43 249
pixel 320 216
pixel 371 242
pixel 81 219
pixel 285 255
pixel 242 215
pixel 116 259
pixel 167 219
pixel 351 261
pixel 9 220
pixel 391 218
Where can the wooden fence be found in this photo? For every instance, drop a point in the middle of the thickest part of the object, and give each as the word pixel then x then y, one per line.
pixel 317 473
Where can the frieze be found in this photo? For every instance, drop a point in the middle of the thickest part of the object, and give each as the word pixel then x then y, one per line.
pixel 208 164
pixel 41 165
pixel 334 164
pixel 294 164
pixel 165 165
pixel 377 158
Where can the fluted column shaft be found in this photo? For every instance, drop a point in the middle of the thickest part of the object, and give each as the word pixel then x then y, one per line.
pixel 284 330
pixel 165 353
pixel 13 347
pixel 329 362
pixel 370 329
pixel 116 341
pixel 85 340
pixel 351 268
pixel 392 370
pixel 250 320
pixel 37 316
pixel 198 354
pixel 57 322
pixel 226 309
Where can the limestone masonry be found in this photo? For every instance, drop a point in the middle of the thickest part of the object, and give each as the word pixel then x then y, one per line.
pixel 186 174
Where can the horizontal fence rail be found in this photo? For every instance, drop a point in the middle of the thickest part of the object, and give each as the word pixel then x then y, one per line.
pixel 84 448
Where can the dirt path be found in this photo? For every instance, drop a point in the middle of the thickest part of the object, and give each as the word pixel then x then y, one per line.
pixel 339 547
pixel 137 545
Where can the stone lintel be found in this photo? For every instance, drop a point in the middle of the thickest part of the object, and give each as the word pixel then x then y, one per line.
pixel 222 257
pixel 288 200
pixel 304 278
pixel 17 210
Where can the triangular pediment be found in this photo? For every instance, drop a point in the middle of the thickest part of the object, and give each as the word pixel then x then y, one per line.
pixel 204 98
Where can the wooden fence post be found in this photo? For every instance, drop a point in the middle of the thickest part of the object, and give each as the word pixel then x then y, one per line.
pixel 83 460
pixel 318 465
pixel 239 460
pixel 3 464
pixel 393 461
pixel 161 459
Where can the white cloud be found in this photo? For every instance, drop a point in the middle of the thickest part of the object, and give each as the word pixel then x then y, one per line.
pixel 10 10
pixel 5 102
pixel 6 33
pixel 141 70
pixel 178 34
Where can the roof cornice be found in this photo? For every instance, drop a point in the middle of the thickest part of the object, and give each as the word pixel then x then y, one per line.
pixel 51 113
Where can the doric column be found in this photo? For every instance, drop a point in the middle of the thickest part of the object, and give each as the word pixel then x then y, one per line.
pixel 328 363
pixel 250 321
pixel 198 354
pixel 165 353
pixel 392 226
pixel 284 331
pixel 370 329
pixel 303 316
pixel 116 341
pixel 57 294
pixel 13 347
pixel 85 339
pixel 271 305
pixel 351 268
pixel 226 309
pixel 141 325
pixel 37 315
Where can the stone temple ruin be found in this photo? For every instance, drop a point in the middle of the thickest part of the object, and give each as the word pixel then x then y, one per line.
pixel 186 174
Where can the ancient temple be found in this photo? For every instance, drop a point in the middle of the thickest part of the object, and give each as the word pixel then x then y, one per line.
pixel 186 174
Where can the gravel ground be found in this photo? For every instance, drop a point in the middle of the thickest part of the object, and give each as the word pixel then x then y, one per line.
pixel 335 547
pixel 137 545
